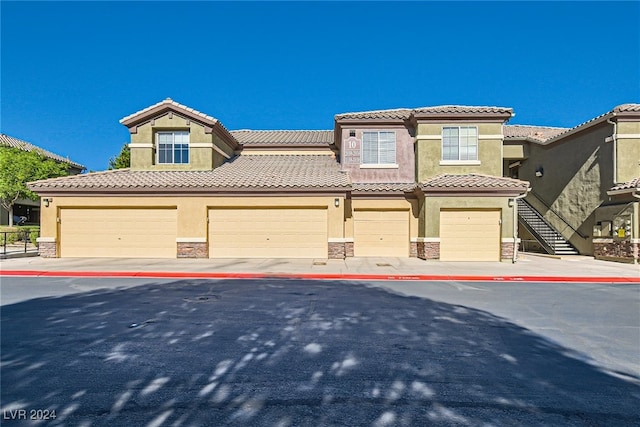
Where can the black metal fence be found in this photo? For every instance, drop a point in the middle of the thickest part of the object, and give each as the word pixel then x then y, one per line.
pixel 20 241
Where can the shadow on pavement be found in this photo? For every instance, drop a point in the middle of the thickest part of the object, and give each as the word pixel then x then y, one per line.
pixel 290 353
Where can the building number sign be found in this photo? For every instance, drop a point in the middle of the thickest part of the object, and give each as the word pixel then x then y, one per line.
pixel 352 151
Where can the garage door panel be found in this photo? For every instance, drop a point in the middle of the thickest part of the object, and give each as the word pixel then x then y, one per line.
pixel 130 233
pixel 381 233
pixel 470 235
pixel 268 233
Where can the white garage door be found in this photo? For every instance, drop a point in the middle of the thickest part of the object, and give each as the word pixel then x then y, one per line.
pixel 127 233
pixel 470 235
pixel 381 233
pixel 268 233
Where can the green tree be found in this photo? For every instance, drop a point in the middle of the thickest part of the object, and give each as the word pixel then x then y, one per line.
pixel 17 167
pixel 123 160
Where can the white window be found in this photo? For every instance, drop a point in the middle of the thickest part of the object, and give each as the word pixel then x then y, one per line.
pixel 378 148
pixel 460 143
pixel 173 147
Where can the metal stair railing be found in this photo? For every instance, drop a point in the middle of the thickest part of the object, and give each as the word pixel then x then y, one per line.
pixel 551 240
pixel 557 214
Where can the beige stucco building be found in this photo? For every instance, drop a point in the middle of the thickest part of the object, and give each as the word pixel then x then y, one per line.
pixel 427 182
pixel 584 180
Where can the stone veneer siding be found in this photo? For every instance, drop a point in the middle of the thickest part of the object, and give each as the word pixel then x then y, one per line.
pixel 193 250
pixel 348 249
pixel 612 250
pixel 413 249
pixel 428 250
pixel 507 249
pixel 336 250
pixel 48 249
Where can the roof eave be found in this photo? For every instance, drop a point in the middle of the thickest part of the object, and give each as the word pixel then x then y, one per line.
pixel 384 193
pixel 580 128
pixel 285 146
pixel 370 121
pixel 634 191
pixel 481 192
pixel 132 122
pixel 186 191
pixel 147 115
pixel 477 117
pixel 525 139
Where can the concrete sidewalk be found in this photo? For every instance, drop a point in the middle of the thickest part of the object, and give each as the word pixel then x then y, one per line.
pixel 528 266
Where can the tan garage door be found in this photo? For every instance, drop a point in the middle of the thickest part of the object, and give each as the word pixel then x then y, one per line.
pixel 470 235
pixel 128 233
pixel 381 233
pixel 268 233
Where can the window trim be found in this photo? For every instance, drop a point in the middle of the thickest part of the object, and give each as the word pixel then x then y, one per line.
pixel 173 148
pixel 459 161
pixel 390 165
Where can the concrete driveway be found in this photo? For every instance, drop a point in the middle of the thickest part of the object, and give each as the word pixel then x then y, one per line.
pixel 296 353
pixel 528 265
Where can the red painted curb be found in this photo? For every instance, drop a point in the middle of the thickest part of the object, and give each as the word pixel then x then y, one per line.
pixel 310 276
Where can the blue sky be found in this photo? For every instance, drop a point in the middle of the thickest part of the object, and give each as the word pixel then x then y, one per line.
pixel 71 71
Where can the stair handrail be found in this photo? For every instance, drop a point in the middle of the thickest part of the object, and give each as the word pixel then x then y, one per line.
pixel 542 239
pixel 541 200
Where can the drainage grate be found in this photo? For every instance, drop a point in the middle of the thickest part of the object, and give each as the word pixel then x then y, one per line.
pixel 383 264
pixel 319 263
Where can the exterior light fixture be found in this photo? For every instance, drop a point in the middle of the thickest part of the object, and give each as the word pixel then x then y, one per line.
pixel 46 202
pixel 336 202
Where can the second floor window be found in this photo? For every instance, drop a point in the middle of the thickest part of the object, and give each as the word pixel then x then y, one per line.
pixel 460 143
pixel 173 147
pixel 378 148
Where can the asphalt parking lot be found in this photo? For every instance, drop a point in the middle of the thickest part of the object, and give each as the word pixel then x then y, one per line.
pixel 289 352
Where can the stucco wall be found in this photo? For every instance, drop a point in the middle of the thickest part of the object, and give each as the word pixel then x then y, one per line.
pixel 403 172
pixel 628 151
pixel 577 173
pixel 429 150
pixel 201 157
pixel 515 150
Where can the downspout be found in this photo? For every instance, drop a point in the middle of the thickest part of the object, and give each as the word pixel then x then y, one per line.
pixel 515 224
pixel 637 196
pixel 614 138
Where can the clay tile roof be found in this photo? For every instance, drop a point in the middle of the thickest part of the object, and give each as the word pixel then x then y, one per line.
pixel 627 108
pixel 397 113
pixel 283 137
pixel 463 109
pixel 633 184
pixel 384 186
pixel 473 181
pixel 267 172
pixel 170 102
pixel 406 113
pixel 623 108
pixel 532 133
pixel 9 141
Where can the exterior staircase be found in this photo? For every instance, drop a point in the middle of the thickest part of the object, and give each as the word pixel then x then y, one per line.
pixel 545 234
